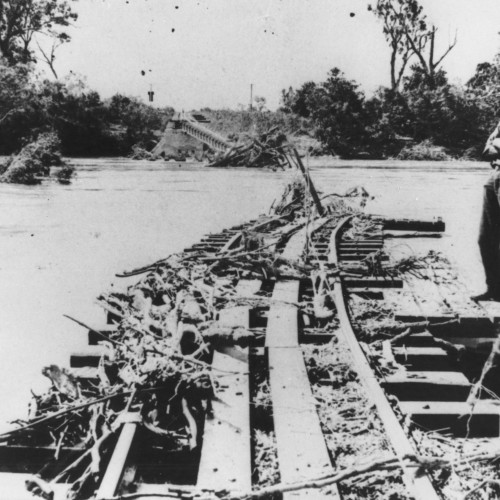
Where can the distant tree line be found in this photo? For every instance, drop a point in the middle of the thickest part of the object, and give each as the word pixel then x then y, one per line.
pixel 420 109
pixel 420 106
pixel 85 124
pixel 30 32
pixel 347 123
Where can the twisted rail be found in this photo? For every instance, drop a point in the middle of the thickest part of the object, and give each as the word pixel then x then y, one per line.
pixel 420 486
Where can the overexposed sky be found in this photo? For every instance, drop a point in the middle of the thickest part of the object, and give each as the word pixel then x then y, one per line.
pixel 207 52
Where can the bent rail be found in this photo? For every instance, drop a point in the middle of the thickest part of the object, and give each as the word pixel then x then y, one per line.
pixel 420 486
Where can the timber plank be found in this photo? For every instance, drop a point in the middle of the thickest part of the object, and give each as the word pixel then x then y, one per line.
pixel 480 344
pixel 413 225
pixel 420 339
pixel 302 451
pixel 226 455
pixel 372 282
pixel 423 358
pixel 86 373
pixel 105 331
pixel 114 472
pixel 282 319
pixel 366 245
pixel 91 356
pixel 484 421
pixel 428 386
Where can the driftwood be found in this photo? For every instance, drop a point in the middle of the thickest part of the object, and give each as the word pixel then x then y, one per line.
pixel 381 464
pixel 166 324
pixel 266 150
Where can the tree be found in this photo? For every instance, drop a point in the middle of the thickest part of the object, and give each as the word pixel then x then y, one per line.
pixel 134 122
pixel 404 26
pixel 388 117
pixel 440 111
pixel 22 21
pixel 298 101
pixel 14 89
pixel 406 29
pixel 260 103
pixel 484 89
pixel 336 107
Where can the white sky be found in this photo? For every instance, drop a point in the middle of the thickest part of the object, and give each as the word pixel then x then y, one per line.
pixel 219 47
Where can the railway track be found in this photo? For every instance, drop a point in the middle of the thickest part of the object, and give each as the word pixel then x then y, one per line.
pixel 430 386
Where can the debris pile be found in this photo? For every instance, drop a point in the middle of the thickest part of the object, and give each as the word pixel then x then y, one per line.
pixel 140 153
pixel 267 150
pixel 33 163
pixel 155 368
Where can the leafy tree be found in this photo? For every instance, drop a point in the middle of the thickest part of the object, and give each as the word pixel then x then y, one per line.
pixel 22 21
pixel 440 111
pixel 388 121
pixel 134 122
pixel 484 90
pixel 14 89
pixel 298 101
pixel 336 107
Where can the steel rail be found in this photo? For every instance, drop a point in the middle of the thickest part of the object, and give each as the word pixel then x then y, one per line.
pixel 420 486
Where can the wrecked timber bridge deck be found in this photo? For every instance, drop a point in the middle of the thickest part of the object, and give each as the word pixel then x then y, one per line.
pixel 430 390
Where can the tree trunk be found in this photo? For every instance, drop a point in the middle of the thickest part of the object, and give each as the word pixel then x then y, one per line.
pixel 394 83
pixel 432 66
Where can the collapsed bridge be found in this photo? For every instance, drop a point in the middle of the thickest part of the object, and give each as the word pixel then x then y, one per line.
pixel 192 125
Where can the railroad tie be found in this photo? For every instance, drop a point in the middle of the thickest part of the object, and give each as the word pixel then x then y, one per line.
pixel 423 358
pixel 428 386
pixel 90 356
pixel 100 333
pixel 459 418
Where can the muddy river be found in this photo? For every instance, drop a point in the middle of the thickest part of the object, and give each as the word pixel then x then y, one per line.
pixel 62 245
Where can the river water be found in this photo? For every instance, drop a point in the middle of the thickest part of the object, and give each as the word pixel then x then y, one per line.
pixel 61 245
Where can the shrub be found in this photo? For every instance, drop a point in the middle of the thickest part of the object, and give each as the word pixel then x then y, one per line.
pixel 34 161
pixel 425 150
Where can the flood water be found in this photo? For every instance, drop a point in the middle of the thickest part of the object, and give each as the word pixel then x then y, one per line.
pixel 61 245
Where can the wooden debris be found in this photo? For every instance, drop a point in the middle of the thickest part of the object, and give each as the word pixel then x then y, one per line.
pixel 267 150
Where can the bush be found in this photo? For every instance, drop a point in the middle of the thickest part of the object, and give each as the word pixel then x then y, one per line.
pixel 85 124
pixel 34 161
pixel 425 150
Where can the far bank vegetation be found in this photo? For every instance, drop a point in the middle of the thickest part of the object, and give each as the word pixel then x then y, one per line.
pixel 421 114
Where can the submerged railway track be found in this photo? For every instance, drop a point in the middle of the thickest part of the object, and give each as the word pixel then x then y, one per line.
pixel 429 389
